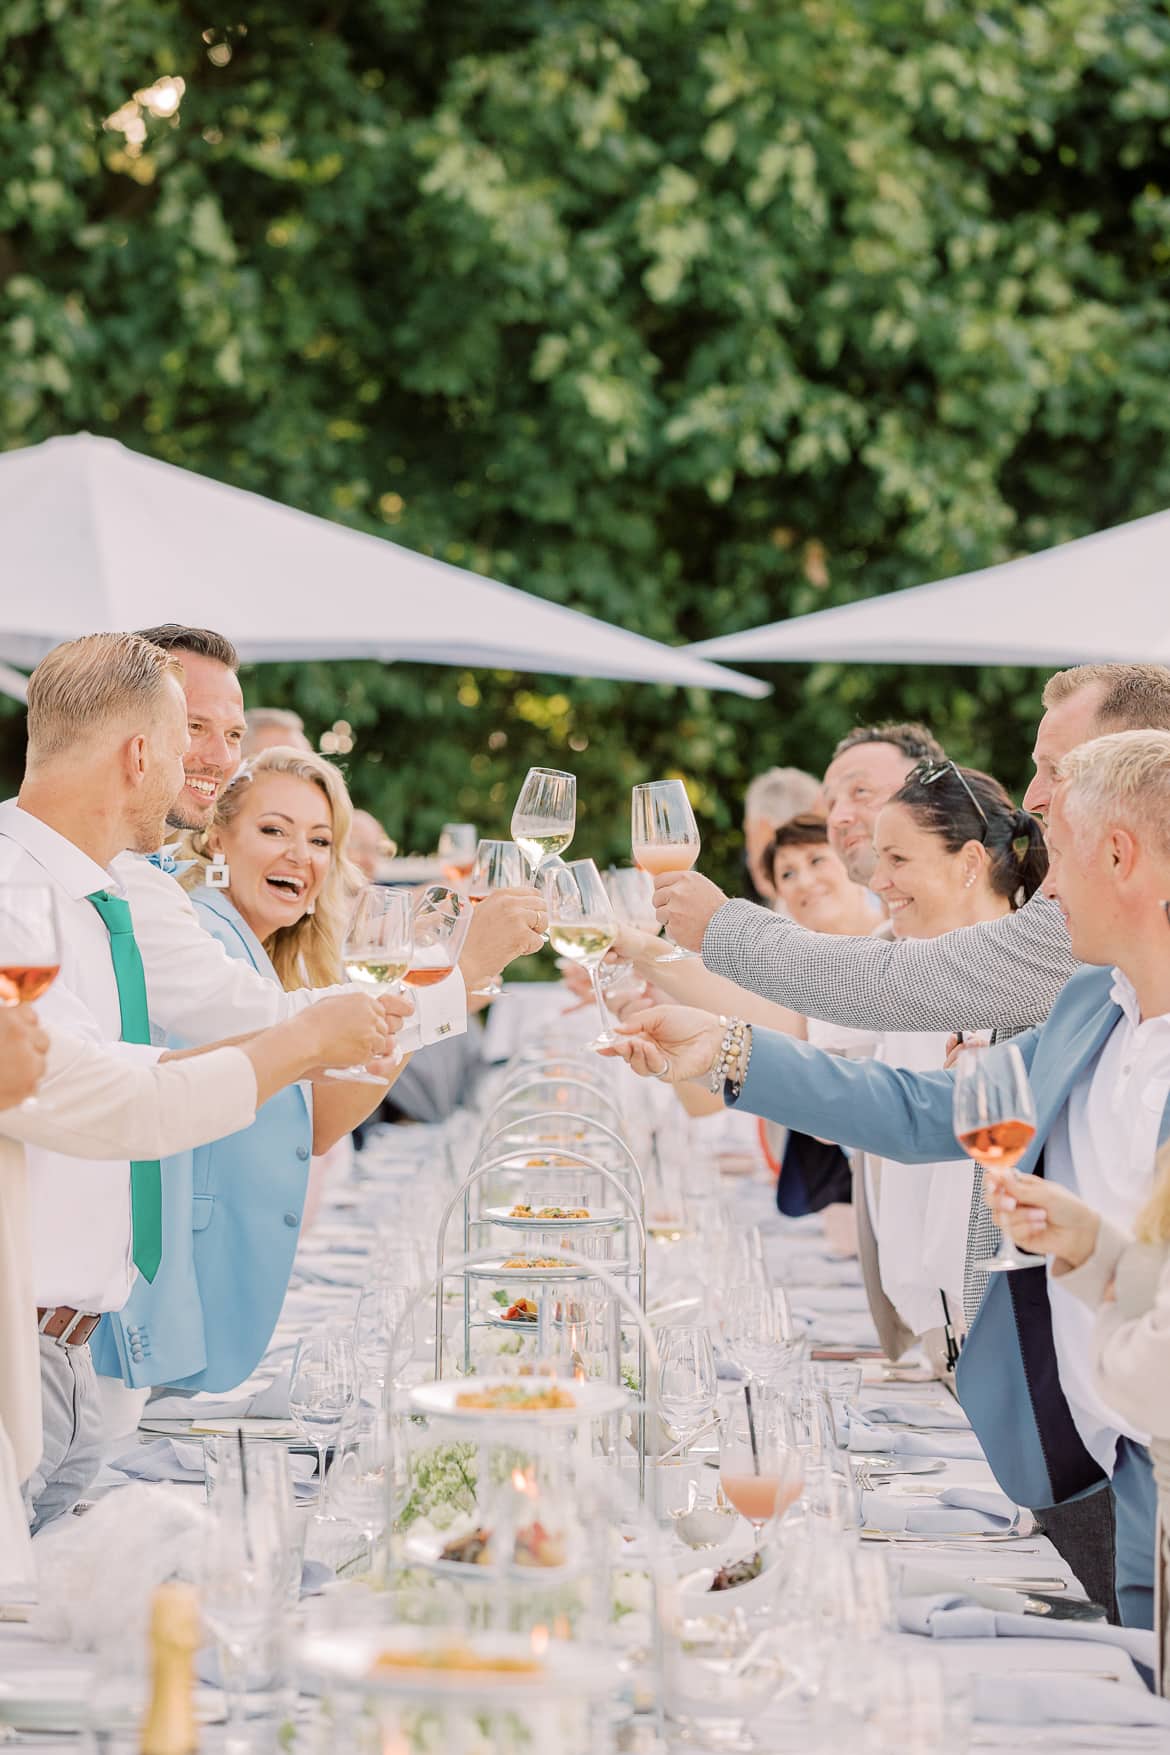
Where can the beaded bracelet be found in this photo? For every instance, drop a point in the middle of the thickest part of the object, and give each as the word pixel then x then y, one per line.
pixel 731 1063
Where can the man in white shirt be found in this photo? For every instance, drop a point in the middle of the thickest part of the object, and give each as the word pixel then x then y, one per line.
pixel 107 737
pixel 195 989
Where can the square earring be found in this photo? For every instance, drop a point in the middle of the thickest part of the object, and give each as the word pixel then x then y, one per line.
pixel 217 876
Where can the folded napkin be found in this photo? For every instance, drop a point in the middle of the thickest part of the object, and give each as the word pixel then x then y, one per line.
pixel 260 1398
pixel 167 1459
pixel 181 1459
pixel 957 1509
pixel 931 1415
pixel 1065 1698
pixel 865 1434
pixel 951 1615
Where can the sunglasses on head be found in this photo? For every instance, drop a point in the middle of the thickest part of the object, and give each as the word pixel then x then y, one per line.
pixel 927 772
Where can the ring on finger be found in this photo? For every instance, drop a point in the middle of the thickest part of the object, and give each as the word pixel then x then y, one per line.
pixel 665 1072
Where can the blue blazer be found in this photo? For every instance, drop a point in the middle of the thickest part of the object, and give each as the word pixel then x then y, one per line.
pixel 231 1221
pixel 1007 1378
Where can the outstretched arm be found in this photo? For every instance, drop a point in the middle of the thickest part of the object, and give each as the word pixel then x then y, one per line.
pixel 883 1109
pixel 1003 975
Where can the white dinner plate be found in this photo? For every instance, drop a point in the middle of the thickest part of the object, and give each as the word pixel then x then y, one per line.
pixel 497 1272
pixel 597 1216
pixel 348 1657
pixel 591 1401
pixel 425 1548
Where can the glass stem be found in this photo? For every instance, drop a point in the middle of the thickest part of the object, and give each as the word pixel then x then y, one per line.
pixel 233 1673
pixel 322 1450
pixel 595 978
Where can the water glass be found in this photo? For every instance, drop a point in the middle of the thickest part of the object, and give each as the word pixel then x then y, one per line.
pixel 687 1384
pixel 322 1394
pixel 383 1343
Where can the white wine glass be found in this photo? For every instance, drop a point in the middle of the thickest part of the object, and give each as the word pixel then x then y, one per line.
pixel 581 926
pixel 498 865
pixel 456 851
pixel 322 1394
pixel 438 928
pixel 30 946
pixel 994 1118
pixel 376 953
pixel 545 817
pixel 664 836
pixel 687 1383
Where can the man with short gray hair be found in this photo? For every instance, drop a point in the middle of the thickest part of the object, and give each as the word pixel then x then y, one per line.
pixel 271 728
pixel 772 798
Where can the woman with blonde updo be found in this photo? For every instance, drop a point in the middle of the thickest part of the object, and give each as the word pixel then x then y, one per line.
pixel 231 1225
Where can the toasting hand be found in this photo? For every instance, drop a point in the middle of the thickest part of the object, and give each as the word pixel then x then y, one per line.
pixel 686 902
pixel 1042 1217
pixel 23 1049
pixel 507 924
pixel 670 1042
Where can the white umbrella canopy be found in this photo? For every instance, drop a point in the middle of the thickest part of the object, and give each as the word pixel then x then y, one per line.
pixel 1101 598
pixel 98 538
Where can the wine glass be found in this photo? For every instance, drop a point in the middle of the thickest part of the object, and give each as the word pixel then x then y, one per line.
pixel 545 815
pixel 380 1309
pixel 30 946
pixel 439 927
pixel 758 1331
pixel 581 925
pixel 457 842
pixel 498 865
pixel 994 1119
pixel 377 952
pixel 243 1587
pixel 687 1383
pixel 357 1481
pixel 322 1393
pixel 664 836
pixel 761 1469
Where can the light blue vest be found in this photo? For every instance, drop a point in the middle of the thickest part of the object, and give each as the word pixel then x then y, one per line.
pixel 231 1221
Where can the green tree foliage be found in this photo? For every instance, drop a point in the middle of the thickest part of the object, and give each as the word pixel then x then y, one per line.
pixel 689 313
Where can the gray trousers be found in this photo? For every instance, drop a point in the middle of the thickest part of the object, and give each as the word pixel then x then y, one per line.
pixel 74 1430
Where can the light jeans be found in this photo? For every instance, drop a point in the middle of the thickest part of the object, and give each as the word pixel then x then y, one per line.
pixel 74 1433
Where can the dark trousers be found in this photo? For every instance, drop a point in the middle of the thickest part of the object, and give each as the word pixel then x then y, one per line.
pixel 1083 1532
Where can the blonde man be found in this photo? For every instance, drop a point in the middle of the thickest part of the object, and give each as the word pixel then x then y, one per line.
pixel 107 724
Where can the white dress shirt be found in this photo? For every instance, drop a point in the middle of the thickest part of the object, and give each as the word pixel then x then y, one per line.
pixel 1102 1146
pixel 91 1099
pixel 79 1211
pixel 922 1208
pixel 196 991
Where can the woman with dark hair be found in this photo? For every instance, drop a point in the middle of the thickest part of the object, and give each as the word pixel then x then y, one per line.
pixel 952 850
pixel 811 883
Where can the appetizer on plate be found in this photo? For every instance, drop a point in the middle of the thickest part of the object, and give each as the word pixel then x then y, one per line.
pixel 523 1310
pixel 521 1211
pixel 737 1572
pixel 457 1657
pixel 534 1261
pixel 512 1397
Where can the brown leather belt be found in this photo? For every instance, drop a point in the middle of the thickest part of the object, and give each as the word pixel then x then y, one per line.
pixel 66 1326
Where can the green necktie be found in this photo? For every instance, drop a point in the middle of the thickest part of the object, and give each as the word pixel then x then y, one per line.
pixel 145 1178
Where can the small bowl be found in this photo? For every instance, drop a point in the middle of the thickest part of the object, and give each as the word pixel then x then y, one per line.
pixel 705 1526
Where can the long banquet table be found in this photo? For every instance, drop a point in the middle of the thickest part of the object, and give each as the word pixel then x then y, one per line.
pixel 330 1265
